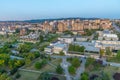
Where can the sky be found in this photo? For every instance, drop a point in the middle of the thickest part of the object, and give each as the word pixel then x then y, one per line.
pixel 42 9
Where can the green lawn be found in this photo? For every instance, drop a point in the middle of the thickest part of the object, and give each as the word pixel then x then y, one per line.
pixel 108 69
pixel 28 75
pixel 47 67
pixel 34 76
pixel 111 70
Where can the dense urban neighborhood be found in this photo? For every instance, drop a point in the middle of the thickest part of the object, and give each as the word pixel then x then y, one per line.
pixel 60 49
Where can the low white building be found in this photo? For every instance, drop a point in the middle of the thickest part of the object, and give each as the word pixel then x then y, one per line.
pixel 60 47
pixel 66 39
pixel 115 45
pixel 110 37
pixel 107 35
pixel 81 39
pixel 2 33
pixel 48 49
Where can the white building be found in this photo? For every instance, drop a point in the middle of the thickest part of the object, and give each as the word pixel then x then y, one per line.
pixel 66 39
pixel 60 47
pixel 107 35
pixel 110 37
pixel 81 39
pixel 48 49
pixel 115 45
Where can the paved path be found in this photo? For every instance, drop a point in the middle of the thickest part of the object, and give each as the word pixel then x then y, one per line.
pixel 65 65
pixel 34 71
pixel 80 70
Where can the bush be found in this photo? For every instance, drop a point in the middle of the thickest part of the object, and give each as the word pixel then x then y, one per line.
pixel 2 71
pixel 18 76
pixel 75 62
pixel 59 69
pixel 12 72
pixel 38 65
pixel 62 53
pixel 71 70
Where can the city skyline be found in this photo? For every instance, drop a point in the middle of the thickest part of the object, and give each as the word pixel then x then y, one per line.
pixel 30 9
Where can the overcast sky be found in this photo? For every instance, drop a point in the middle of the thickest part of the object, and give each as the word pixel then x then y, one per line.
pixel 38 9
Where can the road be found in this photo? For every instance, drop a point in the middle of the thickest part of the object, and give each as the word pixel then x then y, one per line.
pixel 114 64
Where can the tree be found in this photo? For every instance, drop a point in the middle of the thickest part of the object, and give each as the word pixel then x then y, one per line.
pixel 71 69
pixel 82 49
pixel 17 75
pixel 27 61
pixel 2 62
pixel 75 62
pixel 59 69
pixel 37 54
pixel 76 48
pixel 102 52
pixel 67 32
pixel 118 55
pixel 41 38
pixel 24 48
pixel 89 61
pixel 4 77
pixel 30 56
pixel 49 58
pixel 105 76
pixel 5 57
pixel 108 51
pixel 71 47
pixel 84 76
pixel 38 65
pixel 44 76
pixel 62 53
pixel 17 30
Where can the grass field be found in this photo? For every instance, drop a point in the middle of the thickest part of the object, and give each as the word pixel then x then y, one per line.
pixel 25 75
pixel 108 69
pixel 111 70
pixel 47 67
pixel 34 76
pixel 28 75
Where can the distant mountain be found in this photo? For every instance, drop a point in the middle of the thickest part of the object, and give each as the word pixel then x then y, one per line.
pixel 42 20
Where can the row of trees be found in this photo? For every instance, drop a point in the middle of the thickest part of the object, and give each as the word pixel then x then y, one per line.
pixel 76 48
pixel 115 58
pixel 68 32
pixel 24 48
pixel 105 52
pixel 11 63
